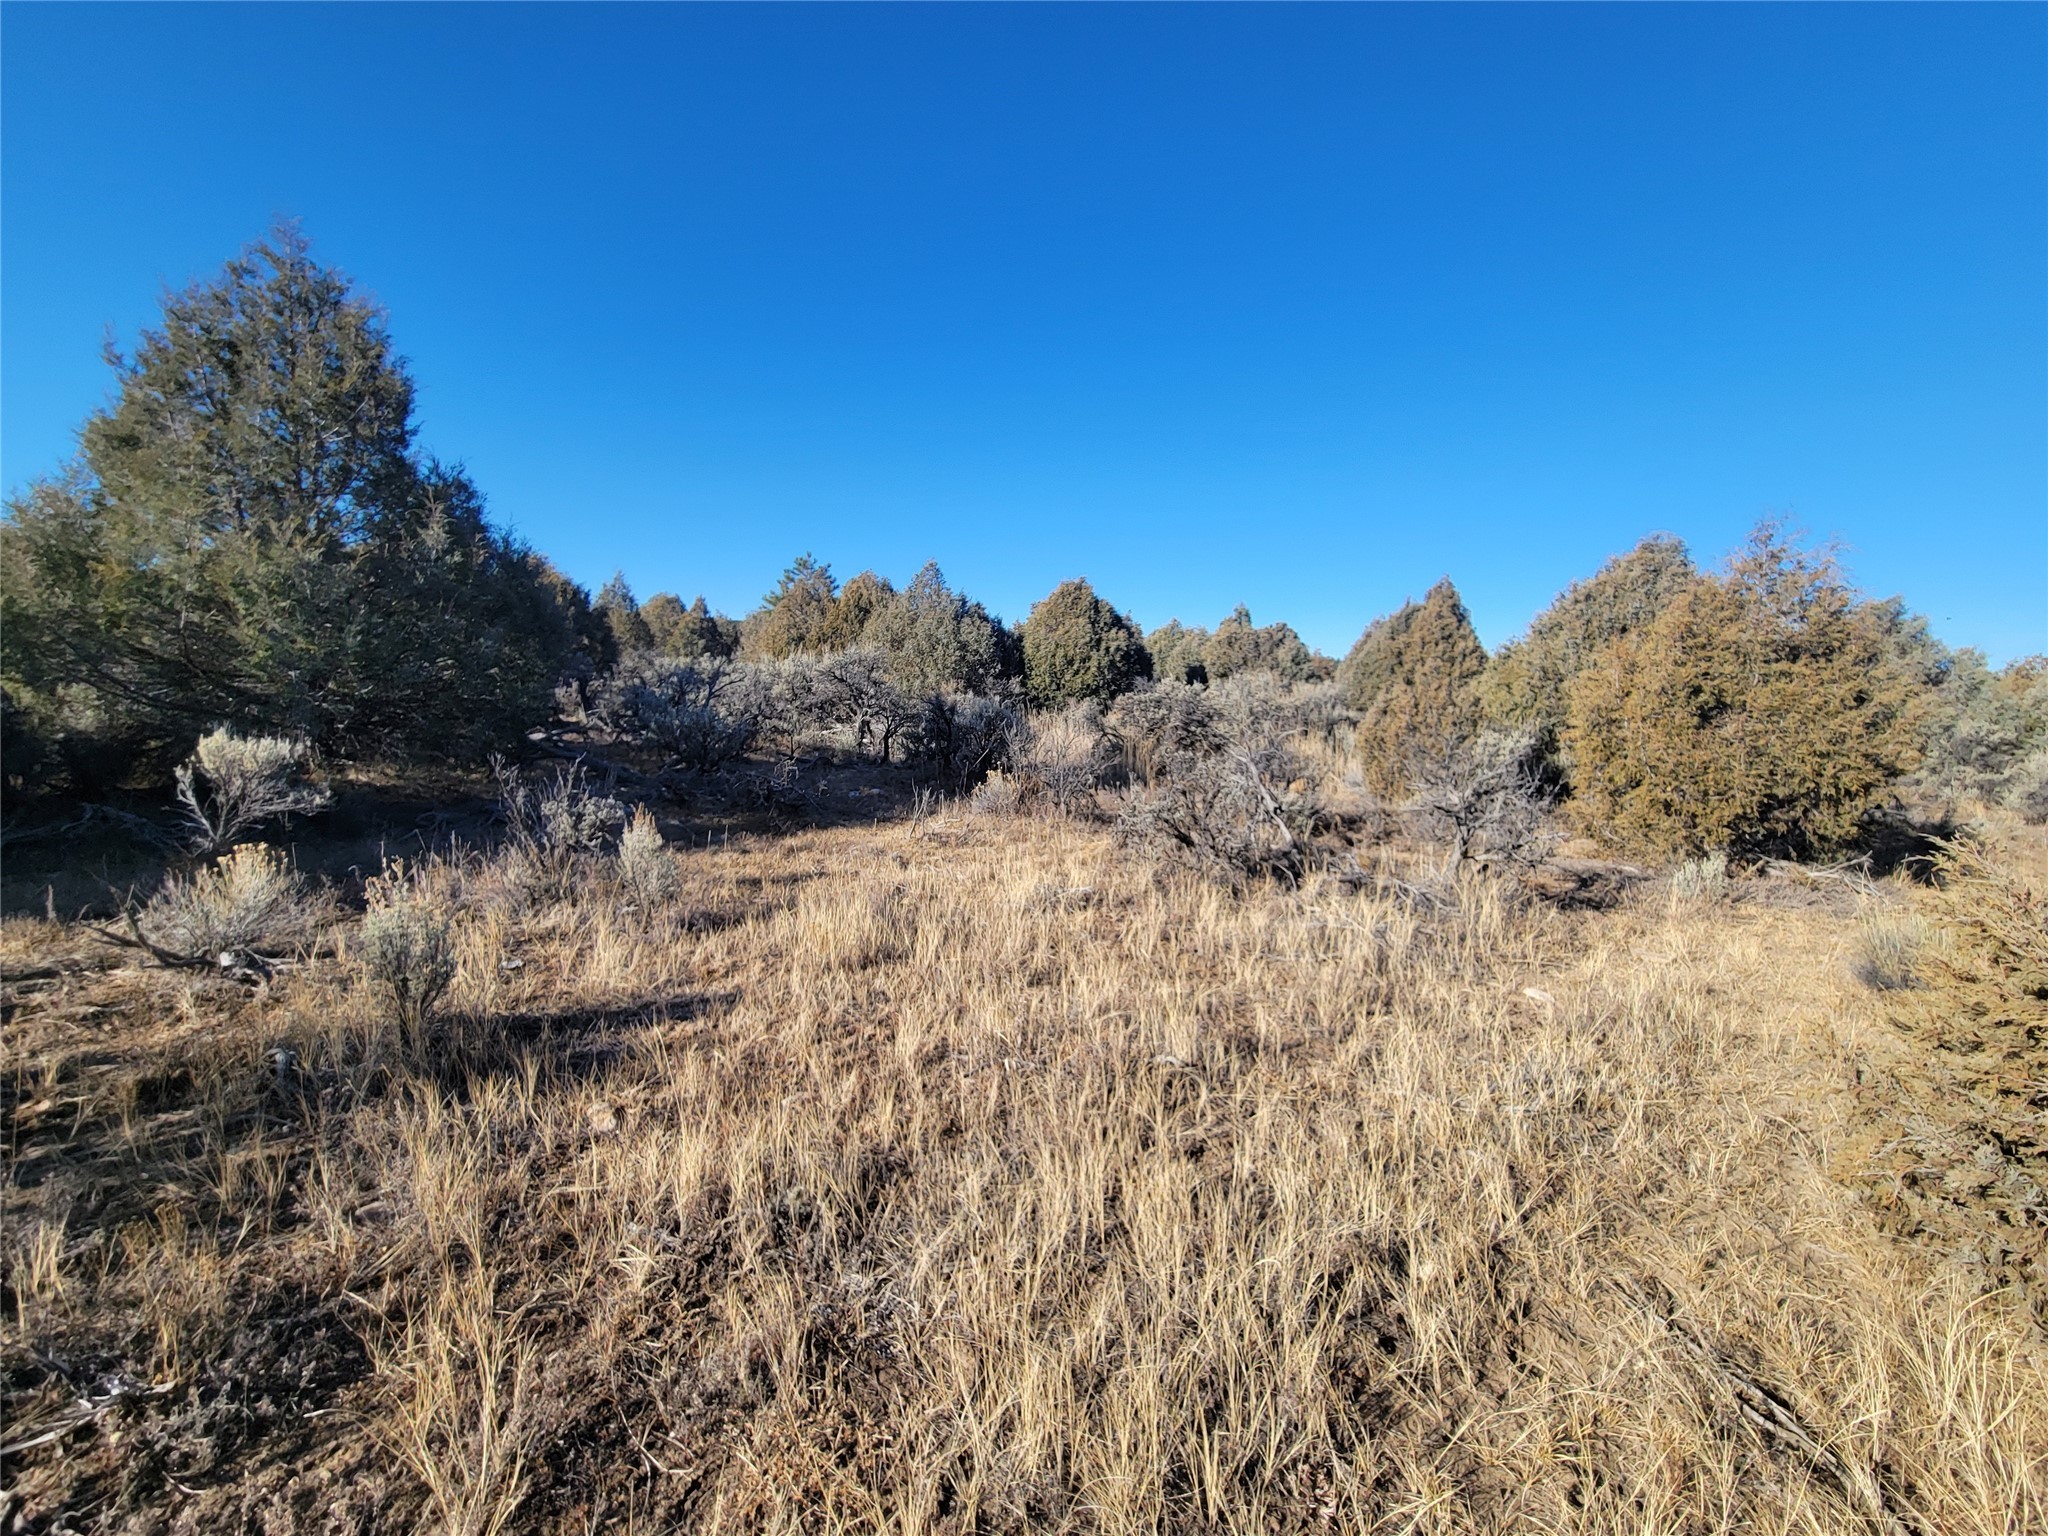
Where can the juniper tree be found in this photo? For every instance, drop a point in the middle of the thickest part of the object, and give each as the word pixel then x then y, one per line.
pixel 686 633
pixel 1240 646
pixel 854 610
pixel 1411 679
pixel 1177 653
pixel 937 640
pixel 249 536
pixel 1525 684
pixel 1076 646
pixel 621 611
pixel 1765 712
pixel 793 617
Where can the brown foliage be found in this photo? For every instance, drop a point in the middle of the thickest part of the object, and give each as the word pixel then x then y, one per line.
pixel 1764 713
pixel 1411 676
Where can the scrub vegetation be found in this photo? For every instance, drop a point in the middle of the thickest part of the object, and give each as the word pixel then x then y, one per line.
pixel 483 1057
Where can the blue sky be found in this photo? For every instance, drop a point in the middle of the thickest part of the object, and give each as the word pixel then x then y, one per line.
pixel 1296 306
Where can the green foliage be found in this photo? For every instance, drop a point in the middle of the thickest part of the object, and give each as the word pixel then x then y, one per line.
pixel 1185 655
pixel 794 617
pixel 1078 647
pixel 248 536
pixel 1177 653
pixel 630 632
pixel 1411 679
pixel 1240 646
pixel 1525 684
pixel 937 640
pixel 1989 736
pixel 1766 712
pixel 854 611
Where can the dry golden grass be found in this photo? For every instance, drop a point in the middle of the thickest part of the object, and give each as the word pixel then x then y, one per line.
pixel 972 1177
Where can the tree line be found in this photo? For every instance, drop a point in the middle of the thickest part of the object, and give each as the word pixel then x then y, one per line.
pixel 249 536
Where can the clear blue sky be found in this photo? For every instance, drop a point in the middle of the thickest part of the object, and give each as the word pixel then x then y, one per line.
pixel 1296 306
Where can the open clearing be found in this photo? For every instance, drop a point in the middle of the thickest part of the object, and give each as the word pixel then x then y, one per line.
pixel 966 1174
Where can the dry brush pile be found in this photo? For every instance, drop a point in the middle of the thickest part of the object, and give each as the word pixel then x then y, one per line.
pixel 975 1176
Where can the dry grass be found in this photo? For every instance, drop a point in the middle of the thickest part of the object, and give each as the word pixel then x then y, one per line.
pixel 971 1177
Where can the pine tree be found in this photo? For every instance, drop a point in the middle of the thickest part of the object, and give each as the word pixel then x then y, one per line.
pixel 249 537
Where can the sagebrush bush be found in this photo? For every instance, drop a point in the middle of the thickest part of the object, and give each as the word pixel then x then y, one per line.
pixel 703 711
pixel 409 955
pixel 968 737
pixel 646 869
pixel 250 899
pixel 1701 880
pixel 1223 788
pixel 560 816
pixel 233 784
pixel 1484 799
pixel 1065 756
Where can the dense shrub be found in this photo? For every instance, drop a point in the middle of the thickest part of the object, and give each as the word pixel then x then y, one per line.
pixel 1223 789
pixel 249 537
pixel 1525 684
pixel 702 712
pixel 966 737
pixel 1484 798
pixel 1988 732
pixel 234 784
pixel 1078 647
pixel 1764 713
pixel 1065 756
pixel 1411 679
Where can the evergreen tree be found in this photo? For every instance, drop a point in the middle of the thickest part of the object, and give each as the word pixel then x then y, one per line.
pixel 1076 646
pixel 248 537
pixel 1764 713
pixel 859 601
pixel 937 640
pixel 793 617
pixel 686 633
pixel 1525 684
pixel 1411 678
pixel 621 611
pixel 1240 646
pixel 1177 653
